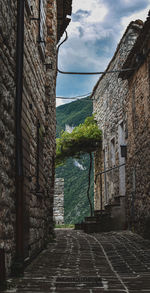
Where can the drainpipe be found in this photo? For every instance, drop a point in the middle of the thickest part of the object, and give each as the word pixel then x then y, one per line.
pixel 101 194
pixel 19 261
pixel 2 270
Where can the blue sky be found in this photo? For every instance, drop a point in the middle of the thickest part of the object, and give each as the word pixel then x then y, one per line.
pixel 94 32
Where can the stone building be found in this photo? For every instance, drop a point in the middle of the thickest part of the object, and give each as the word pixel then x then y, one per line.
pixel 58 213
pixel 29 32
pixel 138 140
pixel 109 103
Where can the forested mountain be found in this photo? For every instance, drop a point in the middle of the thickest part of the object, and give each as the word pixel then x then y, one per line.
pixel 73 113
pixel 74 172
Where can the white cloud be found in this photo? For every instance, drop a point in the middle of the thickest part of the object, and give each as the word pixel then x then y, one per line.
pixel 73 29
pixel 127 1
pixel 69 128
pixel 91 31
pixel 81 54
pixel 132 3
pixel 138 15
pixel 98 13
pixel 80 47
pixel 94 32
pixel 80 166
pixel 60 102
pixel 93 6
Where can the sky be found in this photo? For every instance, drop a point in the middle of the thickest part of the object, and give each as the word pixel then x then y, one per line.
pixel 95 29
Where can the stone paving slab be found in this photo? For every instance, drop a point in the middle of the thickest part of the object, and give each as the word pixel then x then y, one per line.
pixel 114 262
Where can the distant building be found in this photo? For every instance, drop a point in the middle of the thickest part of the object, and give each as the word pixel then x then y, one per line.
pixel 29 32
pixel 109 103
pixel 138 134
pixel 59 201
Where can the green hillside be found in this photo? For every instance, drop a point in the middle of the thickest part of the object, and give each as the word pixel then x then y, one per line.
pixel 73 113
pixel 76 180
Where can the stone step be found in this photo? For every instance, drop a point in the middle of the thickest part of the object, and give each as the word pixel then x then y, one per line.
pixel 100 212
pixel 90 219
pixel 109 207
pixel 104 225
pixel 98 217
pixel 78 226
pixel 119 199
pixel 104 220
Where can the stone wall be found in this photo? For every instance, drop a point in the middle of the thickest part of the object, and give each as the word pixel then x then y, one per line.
pixel 109 104
pixel 138 147
pixel 7 127
pixel 138 162
pixel 59 201
pixel 38 126
pixel 39 111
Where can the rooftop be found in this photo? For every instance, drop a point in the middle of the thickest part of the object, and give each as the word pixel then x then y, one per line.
pixel 64 9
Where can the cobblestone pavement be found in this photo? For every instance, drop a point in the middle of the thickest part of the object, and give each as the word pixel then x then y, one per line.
pixel 113 262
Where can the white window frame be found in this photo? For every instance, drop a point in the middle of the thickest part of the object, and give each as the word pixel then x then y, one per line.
pixel 122 171
pixel 42 27
pixel 113 151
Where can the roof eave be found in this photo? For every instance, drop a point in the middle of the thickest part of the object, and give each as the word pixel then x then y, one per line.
pixel 64 9
pixel 136 25
pixel 136 52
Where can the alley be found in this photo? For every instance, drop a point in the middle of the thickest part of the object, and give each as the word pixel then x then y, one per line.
pixel 78 262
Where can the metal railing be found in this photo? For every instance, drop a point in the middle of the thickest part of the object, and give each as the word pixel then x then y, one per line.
pixel 100 174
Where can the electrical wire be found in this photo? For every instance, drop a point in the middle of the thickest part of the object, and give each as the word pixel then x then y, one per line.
pixel 87 73
pixel 76 97
pixel 94 73
pixel 83 73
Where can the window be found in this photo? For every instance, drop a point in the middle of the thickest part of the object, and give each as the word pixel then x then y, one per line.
pixel 121 141
pixel 113 159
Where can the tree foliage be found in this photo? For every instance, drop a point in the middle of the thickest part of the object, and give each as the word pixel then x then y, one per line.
pixel 84 138
pixel 73 113
pixel 76 206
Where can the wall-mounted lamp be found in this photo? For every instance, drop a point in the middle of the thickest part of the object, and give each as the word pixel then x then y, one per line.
pixel 123 151
pixel 48 66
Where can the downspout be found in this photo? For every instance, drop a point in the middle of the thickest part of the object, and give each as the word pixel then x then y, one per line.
pixel 19 261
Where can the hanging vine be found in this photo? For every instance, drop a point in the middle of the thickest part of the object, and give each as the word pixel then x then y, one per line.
pixel 85 138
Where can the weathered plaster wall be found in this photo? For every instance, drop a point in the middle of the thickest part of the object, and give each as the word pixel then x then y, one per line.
pixel 7 127
pixel 110 107
pixel 59 201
